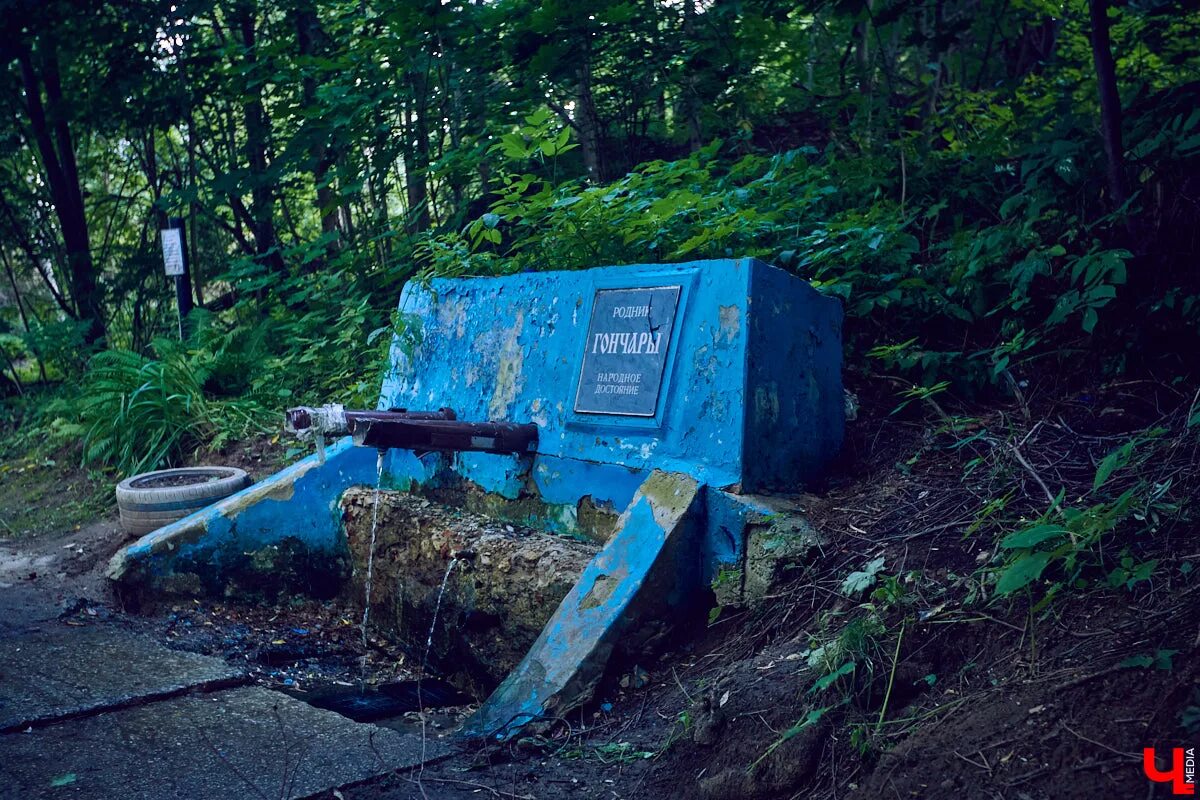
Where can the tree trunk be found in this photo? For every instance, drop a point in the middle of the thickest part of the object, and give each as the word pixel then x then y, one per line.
pixel 12 281
pixel 690 88
pixel 310 39
pixel 1110 102
pixel 416 155
pixel 262 194
pixel 192 243
pixel 12 367
pixel 57 152
pixel 586 120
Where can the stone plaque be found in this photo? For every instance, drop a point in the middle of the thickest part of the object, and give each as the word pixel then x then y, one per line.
pixel 626 352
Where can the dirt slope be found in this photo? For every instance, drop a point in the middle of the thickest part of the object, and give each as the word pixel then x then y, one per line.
pixel 912 680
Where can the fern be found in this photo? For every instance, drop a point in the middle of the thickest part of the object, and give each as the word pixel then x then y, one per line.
pixel 141 413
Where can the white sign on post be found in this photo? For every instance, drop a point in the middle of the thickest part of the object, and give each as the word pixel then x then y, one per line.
pixel 172 247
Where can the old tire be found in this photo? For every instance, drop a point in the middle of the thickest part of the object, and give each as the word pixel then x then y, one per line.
pixel 151 500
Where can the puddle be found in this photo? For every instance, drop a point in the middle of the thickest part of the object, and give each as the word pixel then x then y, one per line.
pixel 385 701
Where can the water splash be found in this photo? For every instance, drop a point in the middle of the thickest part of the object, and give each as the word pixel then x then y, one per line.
pixel 436 609
pixel 366 617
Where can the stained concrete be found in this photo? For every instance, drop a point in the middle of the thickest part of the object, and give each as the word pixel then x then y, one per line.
pixel 780 543
pixel 280 536
pixel 501 592
pixel 751 391
pixel 751 399
pixel 56 671
pixel 629 597
pixel 245 742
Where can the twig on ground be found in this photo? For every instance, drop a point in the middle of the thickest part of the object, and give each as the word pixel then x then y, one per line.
pixel 1080 736
pixel 1033 473
pixel 482 787
pixel 680 685
pixel 975 764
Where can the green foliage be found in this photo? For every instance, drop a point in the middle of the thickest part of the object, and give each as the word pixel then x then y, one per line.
pixel 621 753
pixel 858 582
pixel 59 345
pixel 807 721
pixel 949 187
pixel 854 653
pixel 825 681
pixel 138 413
pixel 1159 659
pixel 1189 717
pixel 968 302
pixel 1072 541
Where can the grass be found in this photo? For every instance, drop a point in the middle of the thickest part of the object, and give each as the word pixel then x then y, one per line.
pixel 41 497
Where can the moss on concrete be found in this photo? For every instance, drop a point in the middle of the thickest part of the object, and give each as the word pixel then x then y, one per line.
pixel 505 584
pixel 670 494
pixel 587 520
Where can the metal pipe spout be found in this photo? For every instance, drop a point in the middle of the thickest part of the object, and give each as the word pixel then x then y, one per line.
pixel 412 430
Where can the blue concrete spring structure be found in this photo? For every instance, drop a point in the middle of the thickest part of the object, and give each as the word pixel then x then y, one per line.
pixel 666 396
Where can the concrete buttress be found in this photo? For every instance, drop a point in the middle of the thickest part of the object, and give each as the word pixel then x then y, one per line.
pixel 646 565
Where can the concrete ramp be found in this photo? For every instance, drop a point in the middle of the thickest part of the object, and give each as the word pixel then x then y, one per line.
pixel 646 573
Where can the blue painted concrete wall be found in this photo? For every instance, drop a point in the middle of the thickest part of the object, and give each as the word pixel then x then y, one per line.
pixel 795 412
pixel 752 390
pixel 245 538
pixel 751 399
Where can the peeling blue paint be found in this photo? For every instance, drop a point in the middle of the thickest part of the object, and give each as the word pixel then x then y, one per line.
pixel 563 481
pixel 640 574
pixel 744 330
pixel 298 505
pixel 751 399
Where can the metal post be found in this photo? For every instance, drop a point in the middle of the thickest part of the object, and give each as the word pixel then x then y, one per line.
pixel 183 283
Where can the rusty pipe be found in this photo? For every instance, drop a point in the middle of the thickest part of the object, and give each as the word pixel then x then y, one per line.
pixel 452 435
pixel 413 430
pixel 337 421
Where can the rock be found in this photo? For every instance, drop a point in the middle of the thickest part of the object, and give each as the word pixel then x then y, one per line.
pixel 709 720
pixel 505 584
pixel 792 764
pixel 775 552
pixel 731 784
pixel 636 679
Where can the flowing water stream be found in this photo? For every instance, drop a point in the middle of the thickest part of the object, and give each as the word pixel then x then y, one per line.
pixel 366 617
pixel 390 700
pixel 436 609
pixel 367 582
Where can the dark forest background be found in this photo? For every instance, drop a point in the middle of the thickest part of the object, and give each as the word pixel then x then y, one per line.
pixel 1004 192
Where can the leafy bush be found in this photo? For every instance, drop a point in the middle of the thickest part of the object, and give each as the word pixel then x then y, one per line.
pixel 972 297
pixel 60 345
pixel 137 413
pixel 1094 541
